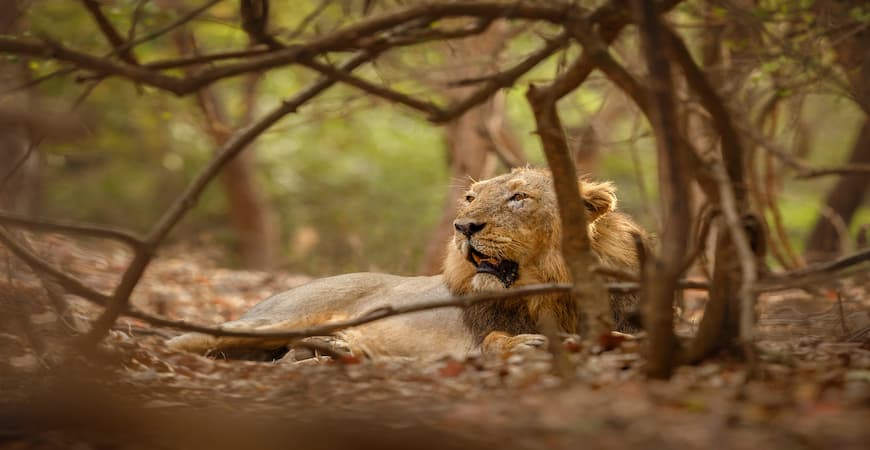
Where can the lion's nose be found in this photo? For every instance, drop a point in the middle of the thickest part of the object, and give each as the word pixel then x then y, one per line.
pixel 468 227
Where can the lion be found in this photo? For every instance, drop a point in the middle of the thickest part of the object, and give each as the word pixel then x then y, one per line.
pixel 507 234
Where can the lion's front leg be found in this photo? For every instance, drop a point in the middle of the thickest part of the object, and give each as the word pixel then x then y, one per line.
pixel 498 342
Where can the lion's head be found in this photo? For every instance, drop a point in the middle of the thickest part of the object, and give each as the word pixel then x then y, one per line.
pixel 508 233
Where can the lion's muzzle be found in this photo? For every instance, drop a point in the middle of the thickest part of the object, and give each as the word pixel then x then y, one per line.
pixel 505 270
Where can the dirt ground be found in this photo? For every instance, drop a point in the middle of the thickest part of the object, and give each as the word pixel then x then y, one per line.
pixel 811 389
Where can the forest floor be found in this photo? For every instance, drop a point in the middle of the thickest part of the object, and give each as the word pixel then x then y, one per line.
pixel 811 389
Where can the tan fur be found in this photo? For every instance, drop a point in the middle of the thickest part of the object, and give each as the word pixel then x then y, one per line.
pixel 530 234
pixel 522 225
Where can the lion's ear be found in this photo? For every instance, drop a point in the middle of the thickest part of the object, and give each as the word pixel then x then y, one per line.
pixel 600 198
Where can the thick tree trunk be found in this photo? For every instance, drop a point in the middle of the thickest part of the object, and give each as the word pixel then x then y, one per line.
pixel 843 200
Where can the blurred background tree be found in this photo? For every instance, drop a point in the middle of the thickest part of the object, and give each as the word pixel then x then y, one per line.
pixel 354 182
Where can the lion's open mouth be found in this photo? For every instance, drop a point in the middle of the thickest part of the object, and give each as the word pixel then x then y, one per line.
pixel 503 269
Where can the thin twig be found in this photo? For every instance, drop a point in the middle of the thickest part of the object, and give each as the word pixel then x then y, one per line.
pixel 436 34
pixel 171 26
pixel 810 172
pixel 303 24
pixel 423 106
pixel 194 60
pixel 39 80
pixel 502 80
pixel 29 223
pixel 134 19
pixel 815 273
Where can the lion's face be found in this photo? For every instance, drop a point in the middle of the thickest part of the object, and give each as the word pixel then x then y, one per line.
pixel 508 233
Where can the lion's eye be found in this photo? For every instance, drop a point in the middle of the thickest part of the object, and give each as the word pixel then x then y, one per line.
pixel 519 196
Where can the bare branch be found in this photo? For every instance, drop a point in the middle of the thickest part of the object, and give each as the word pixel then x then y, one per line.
pixel 432 34
pixel 55 50
pixel 303 24
pixel 502 80
pixel 379 91
pixel 194 60
pixel 837 268
pixel 192 14
pixel 855 169
pixel 124 236
pixel 134 19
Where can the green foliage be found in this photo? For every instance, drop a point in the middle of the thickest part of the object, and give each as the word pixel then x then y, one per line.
pixel 369 185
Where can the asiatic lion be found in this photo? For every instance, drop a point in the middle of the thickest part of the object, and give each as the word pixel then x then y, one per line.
pixel 507 234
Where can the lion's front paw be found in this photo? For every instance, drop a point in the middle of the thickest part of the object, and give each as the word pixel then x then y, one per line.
pixel 501 342
pixel 523 342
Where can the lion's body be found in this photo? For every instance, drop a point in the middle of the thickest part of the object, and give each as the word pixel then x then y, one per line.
pixel 508 235
pixel 423 334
